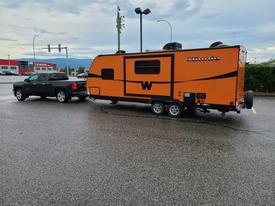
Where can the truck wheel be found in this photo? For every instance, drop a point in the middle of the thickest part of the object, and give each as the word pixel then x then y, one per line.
pixel 248 99
pixel 157 108
pixel 174 110
pixel 19 95
pixel 61 96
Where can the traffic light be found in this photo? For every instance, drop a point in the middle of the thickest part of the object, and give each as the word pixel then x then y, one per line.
pixel 59 47
pixel 49 48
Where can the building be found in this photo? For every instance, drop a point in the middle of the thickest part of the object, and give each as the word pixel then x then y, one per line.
pixel 21 67
pixel 43 67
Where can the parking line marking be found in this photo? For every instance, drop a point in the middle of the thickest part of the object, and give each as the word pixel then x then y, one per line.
pixel 253 110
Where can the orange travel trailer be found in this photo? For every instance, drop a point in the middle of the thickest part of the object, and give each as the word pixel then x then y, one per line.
pixel 174 80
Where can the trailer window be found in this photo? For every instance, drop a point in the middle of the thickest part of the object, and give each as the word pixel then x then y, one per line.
pixel 147 67
pixel 107 74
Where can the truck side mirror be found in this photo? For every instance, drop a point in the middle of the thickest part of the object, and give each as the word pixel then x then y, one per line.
pixel 26 80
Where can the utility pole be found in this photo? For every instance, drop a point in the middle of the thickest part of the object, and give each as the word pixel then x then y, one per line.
pixel 59 48
pixel 119 25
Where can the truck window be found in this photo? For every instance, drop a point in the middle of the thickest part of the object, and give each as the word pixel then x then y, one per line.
pixel 107 74
pixel 58 76
pixel 147 67
pixel 33 78
pixel 42 77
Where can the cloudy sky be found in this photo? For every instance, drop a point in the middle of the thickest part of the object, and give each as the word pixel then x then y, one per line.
pixel 87 27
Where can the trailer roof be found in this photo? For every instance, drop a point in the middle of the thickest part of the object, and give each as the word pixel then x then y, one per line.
pixel 168 51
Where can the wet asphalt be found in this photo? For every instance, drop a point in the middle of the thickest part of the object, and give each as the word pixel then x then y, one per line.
pixel 83 153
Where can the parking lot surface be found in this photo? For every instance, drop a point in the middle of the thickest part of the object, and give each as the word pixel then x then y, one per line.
pixel 82 153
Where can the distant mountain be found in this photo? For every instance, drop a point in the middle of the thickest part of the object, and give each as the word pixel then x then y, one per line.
pixel 61 62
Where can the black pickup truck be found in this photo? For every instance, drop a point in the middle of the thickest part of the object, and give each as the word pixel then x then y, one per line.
pixel 50 85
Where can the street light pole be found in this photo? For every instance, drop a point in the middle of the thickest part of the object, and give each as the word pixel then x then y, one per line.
pixel 171 30
pixel 9 61
pixel 141 32
pixel 140 12
pixel 34 37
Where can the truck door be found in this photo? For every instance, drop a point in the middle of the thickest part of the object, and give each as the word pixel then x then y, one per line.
pixel 31 85
pixel 42 85
pixel 148 75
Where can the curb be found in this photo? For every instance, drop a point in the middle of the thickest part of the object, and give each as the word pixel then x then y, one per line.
pixel 263 94
pixel 6 82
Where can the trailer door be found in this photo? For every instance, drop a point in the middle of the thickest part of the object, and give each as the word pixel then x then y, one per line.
pixel 148 75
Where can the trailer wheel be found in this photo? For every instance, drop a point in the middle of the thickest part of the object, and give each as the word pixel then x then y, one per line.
pixel 174 110
pixel 158 108
pixel 248 99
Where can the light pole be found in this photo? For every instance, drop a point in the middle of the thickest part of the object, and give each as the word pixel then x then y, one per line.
pixel 171 30
pixel 9 56
pixel 67 63
pixel 34 37
pixel 140 12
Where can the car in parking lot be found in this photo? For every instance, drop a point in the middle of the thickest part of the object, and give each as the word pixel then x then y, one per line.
pixel 10 73
pixel 82 75
pixel 50 85
pixel 29 73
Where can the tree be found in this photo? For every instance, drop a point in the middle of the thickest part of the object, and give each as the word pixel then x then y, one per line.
pixel 80 70
pixel 65 70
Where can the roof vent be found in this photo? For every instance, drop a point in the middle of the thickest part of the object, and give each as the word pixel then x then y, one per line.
pixel 121 52
pixel 172 46
pixel 218 44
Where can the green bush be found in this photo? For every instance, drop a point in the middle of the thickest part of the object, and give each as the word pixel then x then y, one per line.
pixel 260 77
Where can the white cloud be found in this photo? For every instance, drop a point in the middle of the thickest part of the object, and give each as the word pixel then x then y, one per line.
pixel 88 27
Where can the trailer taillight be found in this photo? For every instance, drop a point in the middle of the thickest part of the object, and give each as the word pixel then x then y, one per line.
pixel 74 86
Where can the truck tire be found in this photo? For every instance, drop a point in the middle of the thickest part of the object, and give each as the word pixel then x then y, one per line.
pixel 174 110
pixel 158 108
pixel 248 99
pixel 20 95
pixel 62 96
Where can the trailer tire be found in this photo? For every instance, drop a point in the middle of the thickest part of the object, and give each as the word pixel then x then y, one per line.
pixel 158 108
pixel 248 99
pixel 174 110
